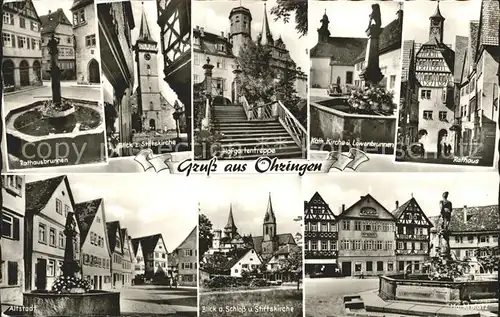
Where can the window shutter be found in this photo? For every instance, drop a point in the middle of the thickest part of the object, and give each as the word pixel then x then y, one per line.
pixel 15 229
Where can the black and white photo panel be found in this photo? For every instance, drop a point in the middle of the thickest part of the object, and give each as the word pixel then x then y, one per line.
pixel 355 58
pixel 449 92
pixel 146 49
pixel 249 80
pixel 51 67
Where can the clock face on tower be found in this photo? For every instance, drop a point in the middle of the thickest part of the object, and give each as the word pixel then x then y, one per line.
pixel 147 56
pixel 435 22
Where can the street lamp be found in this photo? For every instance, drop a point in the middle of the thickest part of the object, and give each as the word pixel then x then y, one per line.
pixel 179 111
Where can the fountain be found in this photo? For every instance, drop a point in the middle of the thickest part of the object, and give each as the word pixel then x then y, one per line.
pixel 71 295
pixel 56 121
pixel 447 280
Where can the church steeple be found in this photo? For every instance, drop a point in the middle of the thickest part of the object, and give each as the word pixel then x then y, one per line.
pixel 436 25
pixel 230 229
pixel 266 36
pixel 269 217
pixel 144 33
pixel 323 33
pixel 269 224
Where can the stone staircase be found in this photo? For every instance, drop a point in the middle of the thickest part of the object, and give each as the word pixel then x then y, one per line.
pixel 244 139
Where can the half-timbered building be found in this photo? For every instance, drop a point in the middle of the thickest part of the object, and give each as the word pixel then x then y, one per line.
pixel 366 238
pixel 434 71
pixel 321 236
pixel 412 236
pixel 174 19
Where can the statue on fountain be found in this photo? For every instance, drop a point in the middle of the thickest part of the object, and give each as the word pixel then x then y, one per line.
pixel 446 207
pixel 57 109
pixel 371 74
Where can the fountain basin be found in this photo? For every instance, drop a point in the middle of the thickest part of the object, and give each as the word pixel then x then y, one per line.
pixel 331 120
pixel 37 140
pixel 93 303
pixel 419 288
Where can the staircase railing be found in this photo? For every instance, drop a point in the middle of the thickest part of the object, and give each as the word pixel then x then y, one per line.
pixel 259 112
pixel 291 124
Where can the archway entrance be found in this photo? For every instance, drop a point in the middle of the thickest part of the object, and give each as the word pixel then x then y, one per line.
pixel 442 146
pixel 94 76
pixel 24 73
pixel 8 72
pixel 37 71
pixel 152 124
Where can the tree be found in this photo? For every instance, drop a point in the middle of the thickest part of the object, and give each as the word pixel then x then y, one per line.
pixel 488 258
pixel 205 235
pixel 285 8
pixel 257 76
pixel 215 263
pixel 292 264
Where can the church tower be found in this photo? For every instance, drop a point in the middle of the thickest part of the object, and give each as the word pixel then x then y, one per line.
pixel 323 33
pixel 265 36
pixel 241 28
pixel 230 230
pixel 436 28
pixel 153 114
pixel 269 242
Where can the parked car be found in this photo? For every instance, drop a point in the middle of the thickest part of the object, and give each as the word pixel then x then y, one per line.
pixel 334 90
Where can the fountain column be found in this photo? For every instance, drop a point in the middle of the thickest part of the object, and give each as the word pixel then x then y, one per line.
pixel 372 74
pixel 70 267
pixel 55 72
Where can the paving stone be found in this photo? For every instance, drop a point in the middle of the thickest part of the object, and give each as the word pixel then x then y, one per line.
pixel 355 304
pixel 350 297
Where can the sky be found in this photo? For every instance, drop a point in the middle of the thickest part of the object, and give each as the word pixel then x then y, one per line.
pixel 144 203
pixel 457 15
pixel 151 16
pixel 215 19
pixel 470 189
pixel 43 6
pixel 249 196
pixel 347 18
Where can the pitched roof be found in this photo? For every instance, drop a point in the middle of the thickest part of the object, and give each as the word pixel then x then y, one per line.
pixel 460 51
pixel 315 214
pixel 488 23
pixel 237 256
pixel 269 216
pixel 209 41
pixel 191 235
pixel 113 227
pixel 144 32
pixel 282 239
pixel 50 21
pixel 367 196
pixel 390 39
pixel 401 209
pixel 77 4
pixel 341 50
pixel 135 246
pixel 479 218
pixel 149 243
pixel 85 214
pixel 287 249
pixel 267 37
pixel 38 193
pixel 447 53
pixel 230 219
pixel 437 13
pixel 172 259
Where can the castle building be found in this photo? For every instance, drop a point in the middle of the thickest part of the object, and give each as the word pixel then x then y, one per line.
pixel 49 203
pixel 22 45
pixel 223 49
pixel 12 265
pixel 58 25
pixel 321 235
pixel 434 71
pixel 155 114
pixel 477 113
pixel 412 236
pixel 95 255
pixel 88 70
pixel 116 20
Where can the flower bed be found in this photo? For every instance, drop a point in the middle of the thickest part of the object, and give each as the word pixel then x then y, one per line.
pixel 66 284
pixel 371 100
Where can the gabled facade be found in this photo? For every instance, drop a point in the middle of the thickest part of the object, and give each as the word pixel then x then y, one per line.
pixel 434 71
pixel 22 45
pixel 154 255
pixel 412 236
pixel 88 69
pixel 321 236
pixel 186 256
pixel 95 255
pixel 128 268
pixel 12 240
pixel 116 247
pixel 366 238
pixel 139 266
pixel 57 24
pixel 48 204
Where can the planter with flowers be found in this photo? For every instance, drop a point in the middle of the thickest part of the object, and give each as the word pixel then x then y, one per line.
pixel 372 100
pixel 71 285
